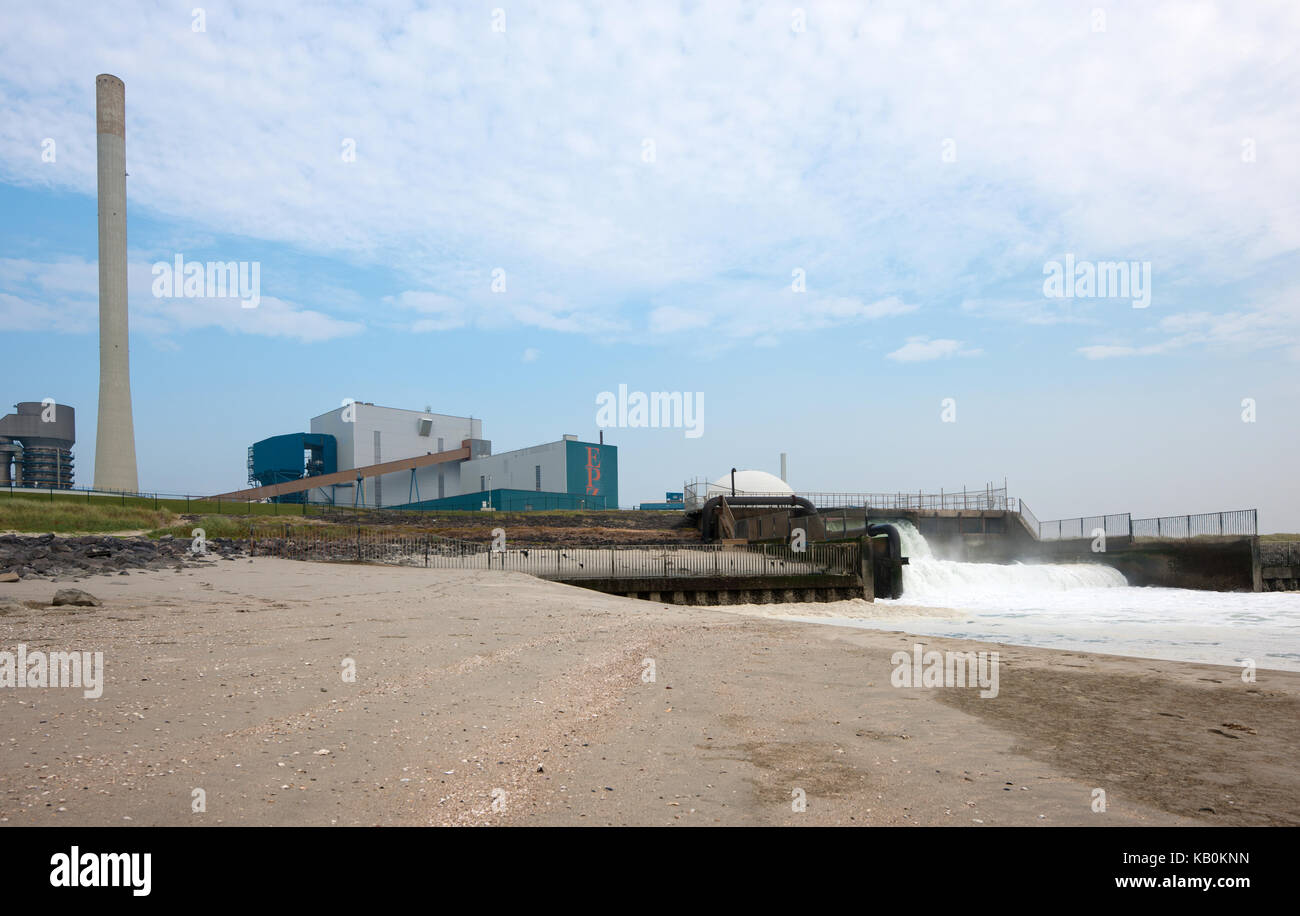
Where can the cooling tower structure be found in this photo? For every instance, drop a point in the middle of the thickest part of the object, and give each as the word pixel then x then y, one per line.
pixel 37 441
pixel 115 436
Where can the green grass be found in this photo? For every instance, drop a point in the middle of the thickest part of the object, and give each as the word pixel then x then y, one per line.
pixel 43 516
pixel 227 507
pixel 176 506
pixel 1279 537
pixel 214 526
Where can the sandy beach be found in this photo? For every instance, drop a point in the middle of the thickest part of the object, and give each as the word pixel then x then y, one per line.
pixel 495 698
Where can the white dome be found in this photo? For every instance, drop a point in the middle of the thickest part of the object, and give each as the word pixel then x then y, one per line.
pixel 751 483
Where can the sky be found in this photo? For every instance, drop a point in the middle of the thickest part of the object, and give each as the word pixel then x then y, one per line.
pixel 835 222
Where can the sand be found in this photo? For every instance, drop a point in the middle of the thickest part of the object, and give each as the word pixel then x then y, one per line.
pixel 495 698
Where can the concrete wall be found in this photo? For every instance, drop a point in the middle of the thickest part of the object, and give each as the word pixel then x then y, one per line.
pixel 1210 563
pixel 517 470
pixel 1280 562
pixel 1227 563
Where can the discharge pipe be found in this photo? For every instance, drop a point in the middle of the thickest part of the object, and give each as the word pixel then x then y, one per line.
pixel 709 515
pixel 895 543
pixel 892 568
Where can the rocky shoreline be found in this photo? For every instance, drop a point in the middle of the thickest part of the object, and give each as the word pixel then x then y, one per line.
pixel 46 556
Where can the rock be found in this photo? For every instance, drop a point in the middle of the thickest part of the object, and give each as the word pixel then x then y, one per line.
pixel 9 577
pixel 8 606
pixel 76 597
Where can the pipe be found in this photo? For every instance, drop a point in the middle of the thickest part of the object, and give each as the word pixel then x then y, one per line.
pixel 896 560
pixel 895 543
pixel 708 516
pixel 733 482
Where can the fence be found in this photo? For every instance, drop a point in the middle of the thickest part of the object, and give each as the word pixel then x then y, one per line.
pixel 698 492
pixel 1240 521
pixel 1064 529
pixel 514 501
pixel 615 561
pixel 1030 520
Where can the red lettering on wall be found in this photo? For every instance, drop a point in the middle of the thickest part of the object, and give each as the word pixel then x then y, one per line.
pixel 593 471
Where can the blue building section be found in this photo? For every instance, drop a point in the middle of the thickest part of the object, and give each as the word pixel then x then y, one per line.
pixel 592 470
pixel 504 500
pixel 291 457
pixel 671 501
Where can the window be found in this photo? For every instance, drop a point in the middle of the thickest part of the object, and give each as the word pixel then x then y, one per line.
pixel 440 444
pixel 537 474
pixel 482 483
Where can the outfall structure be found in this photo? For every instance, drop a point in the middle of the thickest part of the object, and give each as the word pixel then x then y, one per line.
pixel 115 467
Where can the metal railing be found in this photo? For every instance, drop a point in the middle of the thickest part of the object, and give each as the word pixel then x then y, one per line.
pixel 1240 521
pixel 698 492
pixel 332 544
pixel 1030 520
pixel 191 503
pixel 1065 529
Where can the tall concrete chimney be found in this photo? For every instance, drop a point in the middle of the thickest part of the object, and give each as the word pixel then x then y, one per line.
pixel 783 467
pixel 115 438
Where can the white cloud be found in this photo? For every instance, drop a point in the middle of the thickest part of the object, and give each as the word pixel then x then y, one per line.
pixel 774 149
pixel 1111 351
pixel 1273 325
pixel 923 349
pixel 668 319
pixel 63 296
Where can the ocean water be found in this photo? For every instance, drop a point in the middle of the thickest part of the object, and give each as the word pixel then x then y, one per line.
pixel 1083 606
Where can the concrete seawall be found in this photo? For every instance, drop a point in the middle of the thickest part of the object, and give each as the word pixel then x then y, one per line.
pixel 1210 562
pixel 1225 564
pixel 1280 565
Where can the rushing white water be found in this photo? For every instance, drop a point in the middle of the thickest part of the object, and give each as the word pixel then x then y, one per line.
pixel 933 582
pixel 1082 606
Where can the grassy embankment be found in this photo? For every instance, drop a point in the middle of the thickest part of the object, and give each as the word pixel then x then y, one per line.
pixel 76 514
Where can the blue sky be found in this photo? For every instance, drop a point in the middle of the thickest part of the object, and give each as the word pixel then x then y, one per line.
pixel 920 166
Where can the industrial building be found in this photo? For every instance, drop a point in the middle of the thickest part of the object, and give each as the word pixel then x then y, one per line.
pixel 36 445
pixel 361 454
